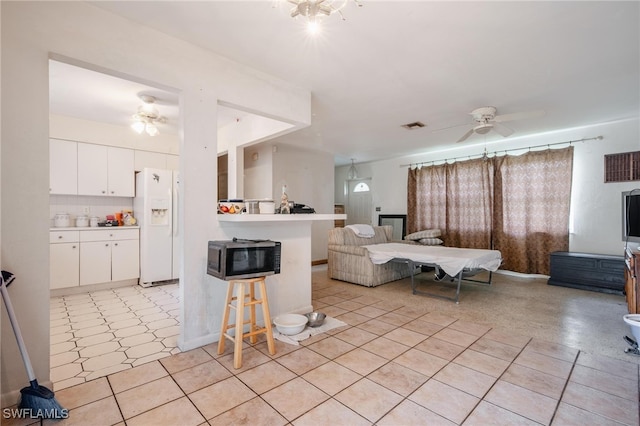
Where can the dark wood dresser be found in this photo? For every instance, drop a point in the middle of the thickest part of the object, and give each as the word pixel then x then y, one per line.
pixel 631 273
pixel 595 272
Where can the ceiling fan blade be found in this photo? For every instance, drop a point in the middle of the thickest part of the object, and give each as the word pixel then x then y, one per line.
pixel 502 129
pixel 518 116
pixel 441 129
pixel 465 136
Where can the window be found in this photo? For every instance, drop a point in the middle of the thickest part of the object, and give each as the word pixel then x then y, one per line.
pixel 361 187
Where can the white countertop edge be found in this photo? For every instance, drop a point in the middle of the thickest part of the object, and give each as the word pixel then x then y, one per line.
pixel 279 217
pixel 93 228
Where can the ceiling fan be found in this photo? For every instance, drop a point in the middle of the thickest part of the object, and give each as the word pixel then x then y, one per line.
pixel 486 120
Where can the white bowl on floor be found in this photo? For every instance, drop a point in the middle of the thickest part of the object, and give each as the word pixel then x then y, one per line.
pixel 290 324
pixel 634 322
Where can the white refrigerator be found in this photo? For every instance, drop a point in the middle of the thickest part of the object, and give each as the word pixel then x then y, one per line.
pixel 155 206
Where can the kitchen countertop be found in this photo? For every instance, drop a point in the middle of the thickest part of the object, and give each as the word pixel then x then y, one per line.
pixel 278 217
pixel 92 228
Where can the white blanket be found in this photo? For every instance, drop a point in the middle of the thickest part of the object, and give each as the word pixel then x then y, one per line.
pixel 362 230
pixel 450 259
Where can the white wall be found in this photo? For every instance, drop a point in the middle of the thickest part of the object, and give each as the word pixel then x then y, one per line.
pixel 308 175
pixel 595 205
pixel 32 31
pixel 258 171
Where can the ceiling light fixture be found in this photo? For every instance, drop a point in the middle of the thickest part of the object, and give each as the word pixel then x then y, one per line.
pixel 147 117
pixel 352 173
pixel 314 10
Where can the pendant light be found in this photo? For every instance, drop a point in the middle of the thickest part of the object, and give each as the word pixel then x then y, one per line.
pixel 353 172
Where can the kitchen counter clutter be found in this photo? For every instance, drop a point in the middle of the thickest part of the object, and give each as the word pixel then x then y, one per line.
pixel 279 217
pixel 86 256
pixel 94 228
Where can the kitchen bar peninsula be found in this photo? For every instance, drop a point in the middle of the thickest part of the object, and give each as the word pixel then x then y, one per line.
pixel 289 291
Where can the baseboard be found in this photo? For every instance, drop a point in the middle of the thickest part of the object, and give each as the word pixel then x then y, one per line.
pixel 11 398
pixel 187 345
pixel 69 291
pixel 319 262
pixel 520 275
pixel 301 311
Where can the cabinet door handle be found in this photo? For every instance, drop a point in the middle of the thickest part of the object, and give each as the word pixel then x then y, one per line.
pixel 106 245
pixel 104 192
pixel 113 192
pixel 59 237
pixel 73 246
pixel 116 244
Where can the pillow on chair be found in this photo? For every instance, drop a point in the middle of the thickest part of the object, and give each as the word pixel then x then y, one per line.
pixel 430 241
pixel 428 233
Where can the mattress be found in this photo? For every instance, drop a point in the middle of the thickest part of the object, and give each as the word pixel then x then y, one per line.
pixel 452 260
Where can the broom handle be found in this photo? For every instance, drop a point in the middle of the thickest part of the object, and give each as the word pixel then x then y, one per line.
pixel 16 331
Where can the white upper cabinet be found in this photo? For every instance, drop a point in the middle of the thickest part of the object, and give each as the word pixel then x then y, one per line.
pixel 105 171
pixel 120 174
pixel 78 168
pixel 63 167
pixel 92 169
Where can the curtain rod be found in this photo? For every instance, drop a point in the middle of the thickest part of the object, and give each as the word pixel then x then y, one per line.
pixel 469 157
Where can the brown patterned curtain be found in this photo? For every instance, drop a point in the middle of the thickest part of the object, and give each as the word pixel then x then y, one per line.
pixel 427 199
pixel 532 199
pixel 469 203
pixel 516 204
pixel 456 198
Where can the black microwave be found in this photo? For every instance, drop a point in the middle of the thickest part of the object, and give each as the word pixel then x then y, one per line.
pixel 239 258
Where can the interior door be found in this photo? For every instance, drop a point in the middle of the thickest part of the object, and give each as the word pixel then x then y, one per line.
pixel 359 201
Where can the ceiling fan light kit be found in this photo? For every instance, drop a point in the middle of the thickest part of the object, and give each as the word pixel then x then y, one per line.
pixel 147 117
pixel 486 120
pixel 314 9
pixel 483 129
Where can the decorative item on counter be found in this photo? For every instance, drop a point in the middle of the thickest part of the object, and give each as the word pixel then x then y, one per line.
pixel 252 206
pixel 266 207
pixel 284 201
pixel 93 221
pixel 234 206
pixel 62 220
pixel 82 221
pixel 127 218
pixel 118 217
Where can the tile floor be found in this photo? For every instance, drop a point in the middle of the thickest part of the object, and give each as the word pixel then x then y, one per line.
pixel 103 332
pixel 398 362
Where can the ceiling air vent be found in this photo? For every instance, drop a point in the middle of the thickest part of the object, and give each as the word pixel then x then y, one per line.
pixel 414 125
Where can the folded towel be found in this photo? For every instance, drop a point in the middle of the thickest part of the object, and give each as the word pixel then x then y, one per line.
pixel 362 230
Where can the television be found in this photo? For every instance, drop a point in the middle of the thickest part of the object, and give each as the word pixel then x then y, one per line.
pixel 631 216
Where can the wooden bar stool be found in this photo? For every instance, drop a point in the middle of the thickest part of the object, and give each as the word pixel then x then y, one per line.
pixel 243 300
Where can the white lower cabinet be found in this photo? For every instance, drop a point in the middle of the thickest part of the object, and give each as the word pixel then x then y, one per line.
pixel 95 262
pixel 64 258
pixel 93 256
pixel 125 260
